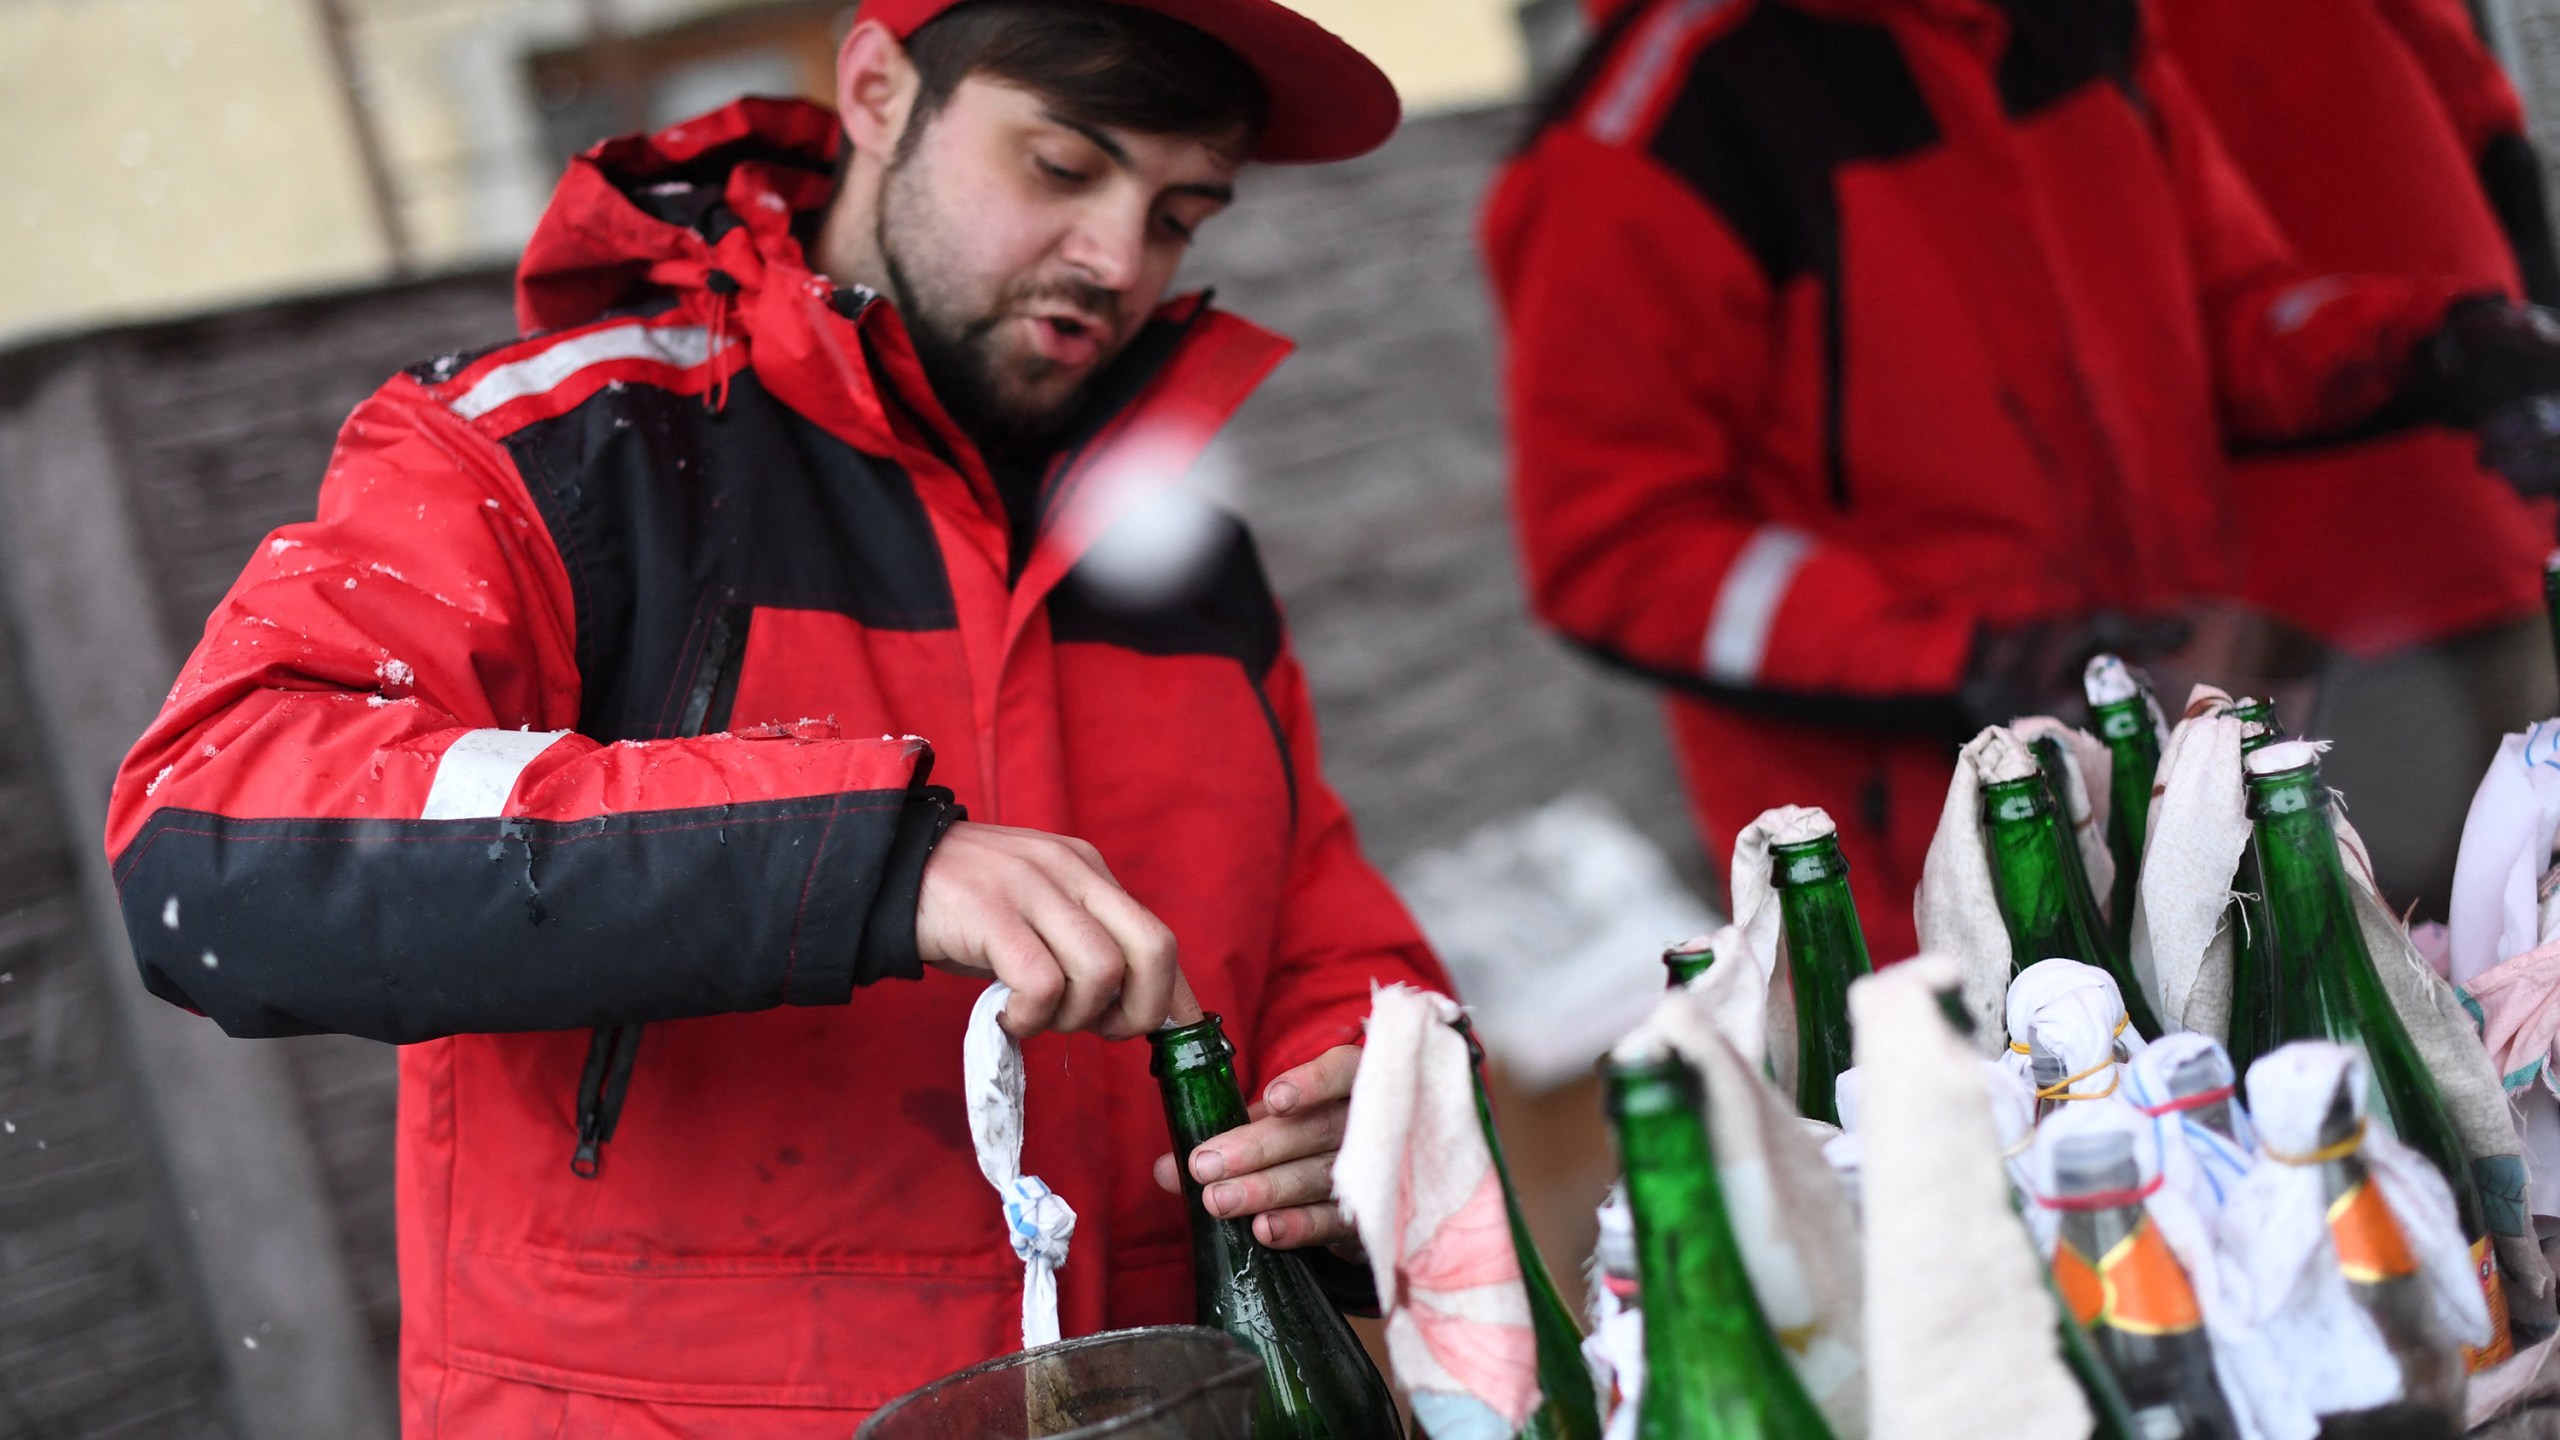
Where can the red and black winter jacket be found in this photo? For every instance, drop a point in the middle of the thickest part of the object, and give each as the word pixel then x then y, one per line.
pixel 1838 328
pixel 2383 138
pixel 602 692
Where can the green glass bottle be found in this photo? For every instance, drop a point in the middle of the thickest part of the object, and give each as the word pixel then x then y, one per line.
pixel 1825 952
pixel 1317 1383
pixel 1713 1368
pixel 2324 985
pixel 2253 969
pixel 2043 890
pixel 2122 713
pixel 1685 962
pixel 1568 1409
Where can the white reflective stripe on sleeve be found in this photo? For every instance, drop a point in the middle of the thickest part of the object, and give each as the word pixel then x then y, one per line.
pixel 682 346
pixel 1647 69
pixel 479 771
pixel 1754 586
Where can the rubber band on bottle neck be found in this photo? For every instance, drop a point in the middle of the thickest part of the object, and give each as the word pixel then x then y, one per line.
pixel 2061 1089
pixel 2102 1199
pixel 2326 1153
pixel 2197 1101
pixel 2121 1022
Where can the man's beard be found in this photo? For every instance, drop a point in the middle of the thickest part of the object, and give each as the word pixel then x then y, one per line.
pixel 958 347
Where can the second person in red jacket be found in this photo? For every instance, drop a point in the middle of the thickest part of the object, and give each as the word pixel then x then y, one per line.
pixel 1865 355
pixel 2383 136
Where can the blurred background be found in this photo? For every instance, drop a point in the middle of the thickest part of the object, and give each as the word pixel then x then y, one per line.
pixel 225 221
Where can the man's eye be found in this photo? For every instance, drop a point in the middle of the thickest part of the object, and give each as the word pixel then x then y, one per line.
pixel 1180 230
pixel 1057 172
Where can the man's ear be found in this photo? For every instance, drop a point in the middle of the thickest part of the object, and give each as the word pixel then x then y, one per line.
pixel 876 88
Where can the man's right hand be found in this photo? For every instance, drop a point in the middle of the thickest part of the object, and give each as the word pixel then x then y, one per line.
pixel 1041 913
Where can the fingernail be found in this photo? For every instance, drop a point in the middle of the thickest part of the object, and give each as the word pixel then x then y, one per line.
pixel 1281 1096
pixel 1222 1198
pixel 1208 1165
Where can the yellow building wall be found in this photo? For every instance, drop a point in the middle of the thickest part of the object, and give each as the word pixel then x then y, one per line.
pixel 165 156
pixel 1442 54
pixel 170 155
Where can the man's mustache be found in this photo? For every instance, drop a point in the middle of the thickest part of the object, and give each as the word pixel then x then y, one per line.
pixel 1098 303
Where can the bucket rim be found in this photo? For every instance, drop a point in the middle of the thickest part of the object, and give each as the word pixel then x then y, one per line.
pixel 1241 1359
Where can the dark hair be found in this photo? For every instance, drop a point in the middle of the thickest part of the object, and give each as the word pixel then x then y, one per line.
pixel 1110 66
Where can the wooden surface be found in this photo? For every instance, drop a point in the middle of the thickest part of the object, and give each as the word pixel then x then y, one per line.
pixel 99 1332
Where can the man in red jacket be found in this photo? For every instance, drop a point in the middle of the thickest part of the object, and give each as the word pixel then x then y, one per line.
pixel 602 692
pixel 2383 137
pixel 1869 359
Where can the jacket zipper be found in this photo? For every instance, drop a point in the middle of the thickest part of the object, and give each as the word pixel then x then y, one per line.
pixel 612 1050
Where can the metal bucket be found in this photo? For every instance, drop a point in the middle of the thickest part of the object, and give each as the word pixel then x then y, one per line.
pixel 1166 1382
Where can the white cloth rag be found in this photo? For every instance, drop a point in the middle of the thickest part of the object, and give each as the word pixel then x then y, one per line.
pixel 2197 1161
pixel 2074 1013
pixel 2181 946
pixel 1957 908
pixel 1735 991
pixel 2013 1117
pixel 2253 1378
pixel 1037 1221
pixel 2502 904
pixel 1961 1337
pixel 1417 1181
pixel 2277 1225
pixel 2506 854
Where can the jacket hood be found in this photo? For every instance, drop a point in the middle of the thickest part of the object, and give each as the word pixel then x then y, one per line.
pixel 642 213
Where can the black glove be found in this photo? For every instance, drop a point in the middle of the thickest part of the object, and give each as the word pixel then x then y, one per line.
pixel 2494 367
pixel 2511 178
pixel 2035 668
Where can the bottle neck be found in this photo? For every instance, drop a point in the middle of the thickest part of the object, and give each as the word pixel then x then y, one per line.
pixel 1826 953
pixel 1195 1071
pixel 1821 919
pixel 2315 942
pixel 2036 899
pixel 1698 1302
pixel 2126 726
pixel 2258 727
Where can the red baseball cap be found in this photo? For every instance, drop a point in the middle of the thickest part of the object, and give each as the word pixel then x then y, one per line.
pixel 1327 100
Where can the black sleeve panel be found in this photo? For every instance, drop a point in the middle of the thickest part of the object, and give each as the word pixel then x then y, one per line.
pixel 888 950
pixel 1939 716
pixel 2511 176
pixel 414 929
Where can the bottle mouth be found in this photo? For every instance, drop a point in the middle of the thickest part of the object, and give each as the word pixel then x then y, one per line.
pixel 1202 1042
pixel 2283 757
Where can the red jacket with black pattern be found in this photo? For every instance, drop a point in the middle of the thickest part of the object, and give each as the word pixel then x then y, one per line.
pixel 1839 328
pixel 601 694
pixel 2383 137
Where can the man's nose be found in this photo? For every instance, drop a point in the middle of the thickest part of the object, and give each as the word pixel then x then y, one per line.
pixel 1109 245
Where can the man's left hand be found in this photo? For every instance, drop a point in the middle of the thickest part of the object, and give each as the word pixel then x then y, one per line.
pixel 1278 1168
